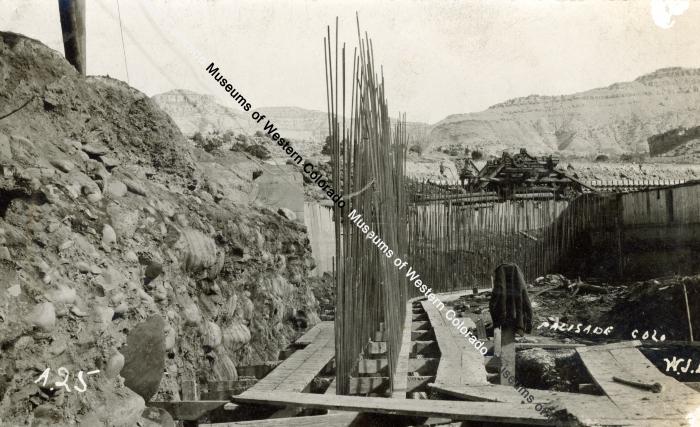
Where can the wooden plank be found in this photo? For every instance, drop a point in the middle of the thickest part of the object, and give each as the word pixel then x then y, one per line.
pixel 625 361
pixel 258 371
pixel 372 366
pixel 456 410
pixel 460 362
pixel 339 419
pixel 510 394
pixel 296 372
pixel 376 348
pixel 221 390
pixel 423 366
pixel 578 405
pixel 419 383
pixel 546 345
pixel 400 388
pixel 611 346
pixel 424 348
pixel 311 334
pixel 422 325
pixel 365 385
pixel 507 354
pixel 422 335
pixel 189 410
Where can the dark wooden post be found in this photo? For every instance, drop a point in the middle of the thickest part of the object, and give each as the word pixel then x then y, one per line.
pixel 72 13
pixel 507 353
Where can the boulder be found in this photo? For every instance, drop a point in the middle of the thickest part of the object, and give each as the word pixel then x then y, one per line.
pixel 63 165
pixel 108 235
pixel 235 336
pixel 115 189
pixel 144 356
pixel 43 316
pixel 95 149
pixel 114 365
pixel 211 335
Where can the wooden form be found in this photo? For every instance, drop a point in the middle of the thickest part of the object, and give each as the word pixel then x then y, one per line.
pixel 400 386
pixel 624 360
pixel 456 410
pixel 460 363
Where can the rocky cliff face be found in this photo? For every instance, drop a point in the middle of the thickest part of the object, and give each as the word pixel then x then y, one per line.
pixel 108 219
pixel 614 119
pixel 194 112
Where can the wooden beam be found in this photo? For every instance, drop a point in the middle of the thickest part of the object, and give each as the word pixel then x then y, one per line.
pixel 221 390
pixel 366 385
pixel 400 386
pixel 456 410
pixel 546 346
pixel 624 360
pixel 189 410
pixel 258 371
pixel 423 366
pixel 507 353
pixel 372 366
pixel 425 348
pixel 375 348
pixel 339 419
pixel 419 383
pixel 422 325
pixel 422 335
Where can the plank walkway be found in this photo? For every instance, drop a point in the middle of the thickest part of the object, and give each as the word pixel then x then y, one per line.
pixel 670 407
pixel 296 372
pixel 456 410
pixel 460 363
pixel 310 336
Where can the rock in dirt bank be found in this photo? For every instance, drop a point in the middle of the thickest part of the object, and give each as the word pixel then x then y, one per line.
pixel 83 262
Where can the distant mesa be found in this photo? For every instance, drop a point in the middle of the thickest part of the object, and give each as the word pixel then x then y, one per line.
pixel 613 120
pixel 194 112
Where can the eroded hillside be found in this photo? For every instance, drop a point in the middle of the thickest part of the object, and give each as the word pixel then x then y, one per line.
pixel 611 120
pixel 108 220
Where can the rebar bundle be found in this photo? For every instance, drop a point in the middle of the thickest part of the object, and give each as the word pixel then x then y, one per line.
pixel 368 162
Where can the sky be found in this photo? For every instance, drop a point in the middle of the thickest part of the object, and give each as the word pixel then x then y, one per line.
pixel 439 57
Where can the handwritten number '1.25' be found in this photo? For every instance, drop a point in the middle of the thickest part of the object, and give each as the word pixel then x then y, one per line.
pixel 63 383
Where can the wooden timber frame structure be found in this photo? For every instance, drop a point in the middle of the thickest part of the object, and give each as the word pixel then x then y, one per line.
pixel 368 162
pixel 454 246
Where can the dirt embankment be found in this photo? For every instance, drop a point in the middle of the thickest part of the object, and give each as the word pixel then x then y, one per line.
pixel 106 219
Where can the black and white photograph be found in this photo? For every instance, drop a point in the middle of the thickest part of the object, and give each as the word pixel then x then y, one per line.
pixel 349 213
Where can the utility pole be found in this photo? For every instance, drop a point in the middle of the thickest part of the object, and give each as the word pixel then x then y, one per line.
pixel 72 14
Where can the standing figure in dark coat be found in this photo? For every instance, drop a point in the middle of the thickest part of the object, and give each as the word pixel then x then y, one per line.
pixel 509 305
